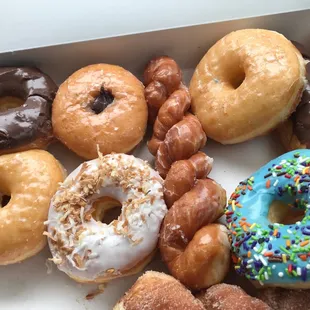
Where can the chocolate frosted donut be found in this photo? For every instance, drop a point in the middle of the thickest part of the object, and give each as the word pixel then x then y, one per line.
pixel 29 125
pixel 295 132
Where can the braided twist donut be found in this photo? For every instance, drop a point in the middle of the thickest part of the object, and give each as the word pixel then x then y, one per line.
pixel 196 254
pixel 170 113
pixel 162 77
pixel 183 175
pixel 177 134
pixel 182 141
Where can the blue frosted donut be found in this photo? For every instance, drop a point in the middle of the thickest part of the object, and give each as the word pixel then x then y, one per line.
pixel 272 253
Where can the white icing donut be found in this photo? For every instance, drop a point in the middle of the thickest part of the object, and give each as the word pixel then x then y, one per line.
pixel 92 251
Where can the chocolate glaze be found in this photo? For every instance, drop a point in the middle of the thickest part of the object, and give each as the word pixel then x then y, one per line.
pixel 102 101
pixel 23 125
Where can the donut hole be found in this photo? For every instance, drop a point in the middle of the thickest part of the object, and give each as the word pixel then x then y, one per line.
pixel 106 210
pixel 282 213
pixel 4 200
pixel 102 99
pixel 236 78
pixel 9 102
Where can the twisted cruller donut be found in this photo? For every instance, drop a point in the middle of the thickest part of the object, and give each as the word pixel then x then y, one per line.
pixel 196 254
pixel 177 134
pixel 158 291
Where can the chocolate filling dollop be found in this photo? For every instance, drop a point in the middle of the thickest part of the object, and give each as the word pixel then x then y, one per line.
pixel 301 117
pixel 22 125
pixel 102 101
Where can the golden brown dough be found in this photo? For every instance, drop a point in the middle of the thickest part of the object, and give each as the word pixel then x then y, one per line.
pixel 158 291
pixel 31 178
pixel 196 254
pixel 162 76
pixel 100 105
pixel 183 175
pixel 284 299
pixel 182 141
pixel 230 297
pixel 248 83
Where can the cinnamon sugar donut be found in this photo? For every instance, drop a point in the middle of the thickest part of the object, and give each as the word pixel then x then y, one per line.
pixel 158 291
pixel 100 105
pixel 30 178
pixel 247 84
pixel 225 296
pixel 91 251
pixel 284 299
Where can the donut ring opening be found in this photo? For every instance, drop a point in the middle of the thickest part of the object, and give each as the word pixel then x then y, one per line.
pixel 282 213
pixel 5 199
pixel 10 102
pixel 233 73
pixel 107 209
pixel 103 98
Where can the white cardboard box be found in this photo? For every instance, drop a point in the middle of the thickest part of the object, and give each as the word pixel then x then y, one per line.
pixel 27 285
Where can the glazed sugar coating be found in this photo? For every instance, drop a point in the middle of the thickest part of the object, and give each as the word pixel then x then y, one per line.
pixel 230 297
pixel 268 249
pixel 279 298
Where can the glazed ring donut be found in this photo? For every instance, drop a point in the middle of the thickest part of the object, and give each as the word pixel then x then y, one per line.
pixel 79 241
pixel 31 178
pixel 247 84
pixel 26 97
pixel 267 247
pixel 100 105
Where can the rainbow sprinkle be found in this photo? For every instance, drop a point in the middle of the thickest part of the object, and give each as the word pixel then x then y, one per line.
pixel 266 251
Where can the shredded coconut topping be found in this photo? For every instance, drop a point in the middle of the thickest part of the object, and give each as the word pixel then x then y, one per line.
pixel 88 249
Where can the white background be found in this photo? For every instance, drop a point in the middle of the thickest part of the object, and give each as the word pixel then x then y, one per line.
pixel 32 23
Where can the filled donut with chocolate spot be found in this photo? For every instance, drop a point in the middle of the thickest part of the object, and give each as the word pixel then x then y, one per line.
pixel 26 97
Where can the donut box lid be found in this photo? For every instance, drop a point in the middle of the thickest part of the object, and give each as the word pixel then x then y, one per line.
pixel 33 285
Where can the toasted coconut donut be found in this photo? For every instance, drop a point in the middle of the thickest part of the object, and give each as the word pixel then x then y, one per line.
pixel 247 83
pixel 91 251
pixel 158 291
pixel 31 178
pixel 100 105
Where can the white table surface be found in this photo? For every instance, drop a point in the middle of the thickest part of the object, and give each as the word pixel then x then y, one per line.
pixel 26 24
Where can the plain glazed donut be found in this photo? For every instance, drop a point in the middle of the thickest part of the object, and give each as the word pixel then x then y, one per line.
pixel 247 83
pixel 158 291
pixel 26 97
pixel 230 297
pixel 100 105
pixel 31 178
pixel 91 251
pixel 271 245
